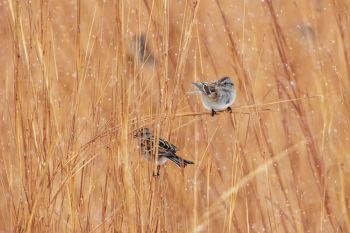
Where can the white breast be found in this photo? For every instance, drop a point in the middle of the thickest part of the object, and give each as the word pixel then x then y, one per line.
pixel 162 160
pixel 222 103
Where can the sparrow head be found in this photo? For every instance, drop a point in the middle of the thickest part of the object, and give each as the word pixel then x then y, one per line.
pixel 225 83
pixel 142 133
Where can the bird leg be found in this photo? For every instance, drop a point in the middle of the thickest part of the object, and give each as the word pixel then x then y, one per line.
pixel 213 112
pixel 158 168
pixel 229 109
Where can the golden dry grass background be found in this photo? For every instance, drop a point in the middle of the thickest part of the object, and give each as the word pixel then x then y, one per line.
pixel 73 88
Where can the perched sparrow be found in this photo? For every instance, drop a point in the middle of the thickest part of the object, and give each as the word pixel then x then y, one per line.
pixel 217 96
pixel 166 150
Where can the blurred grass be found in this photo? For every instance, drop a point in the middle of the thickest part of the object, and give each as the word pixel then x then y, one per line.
pixel 74 86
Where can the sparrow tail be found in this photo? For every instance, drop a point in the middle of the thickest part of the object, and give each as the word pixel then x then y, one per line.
pixel 203 87
pixel 199 86
pixel 180 162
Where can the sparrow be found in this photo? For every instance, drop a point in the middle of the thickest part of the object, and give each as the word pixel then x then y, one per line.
pixel 217 96
pixel 166 150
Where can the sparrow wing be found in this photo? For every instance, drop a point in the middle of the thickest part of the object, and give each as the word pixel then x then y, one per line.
pixel 211 91
pixel 166 146
pixel 206 89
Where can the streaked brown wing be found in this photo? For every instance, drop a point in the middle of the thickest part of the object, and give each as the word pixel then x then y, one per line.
pixel 213 95
pixel 166 146
pixel 210 90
